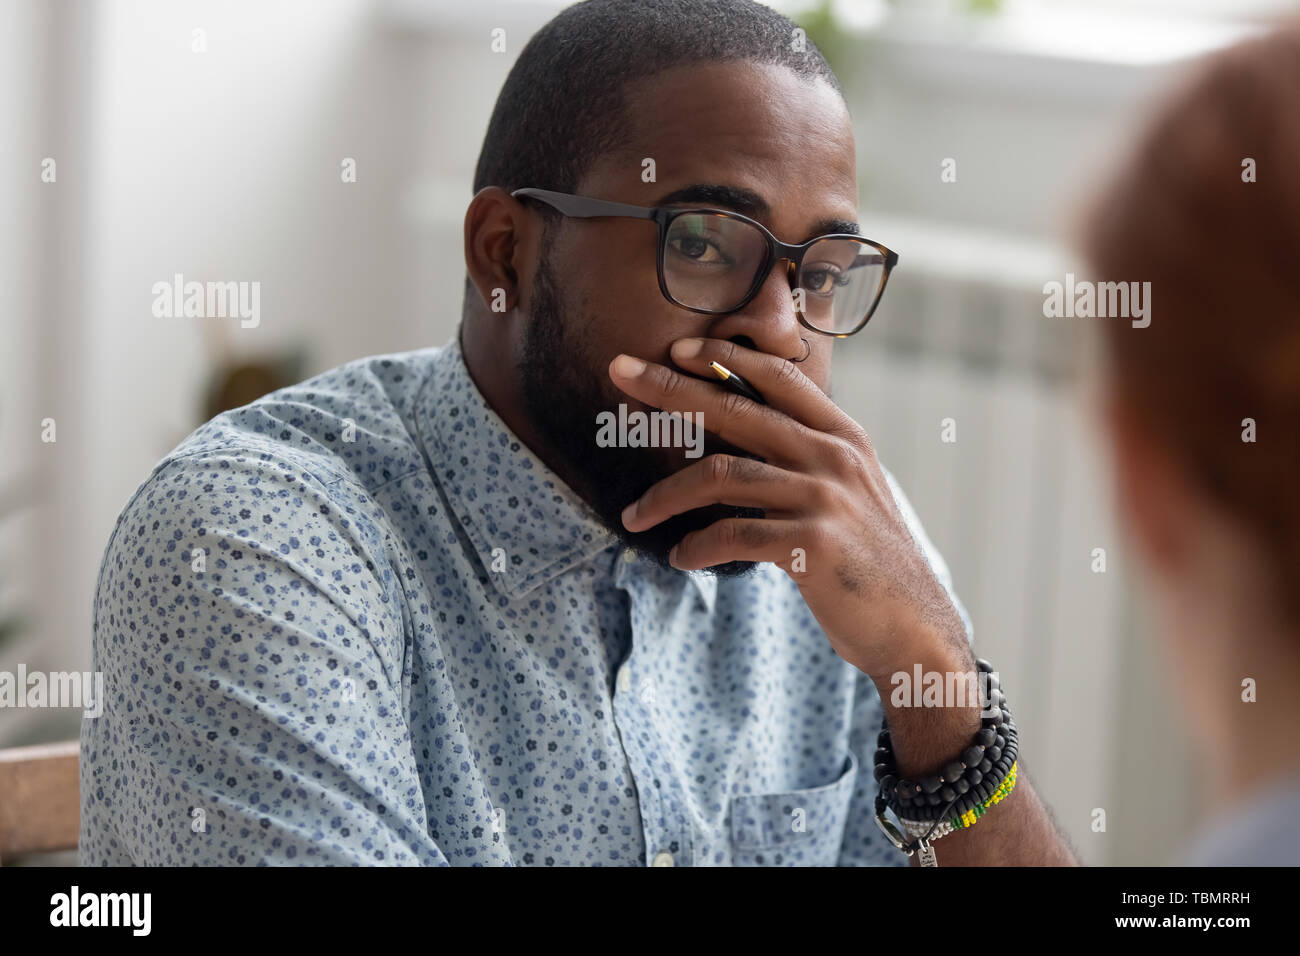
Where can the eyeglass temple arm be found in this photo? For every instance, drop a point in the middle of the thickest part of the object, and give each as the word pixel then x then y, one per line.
pixel 584 207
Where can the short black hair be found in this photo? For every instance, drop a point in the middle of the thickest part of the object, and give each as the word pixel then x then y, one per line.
pixel 562 106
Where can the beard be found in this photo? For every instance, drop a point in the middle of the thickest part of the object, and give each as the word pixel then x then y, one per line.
pixel 564 392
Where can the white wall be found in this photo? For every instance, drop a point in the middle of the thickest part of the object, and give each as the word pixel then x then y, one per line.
pixel 221 165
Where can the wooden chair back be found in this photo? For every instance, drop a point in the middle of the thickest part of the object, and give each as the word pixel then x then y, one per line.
pixel 40 799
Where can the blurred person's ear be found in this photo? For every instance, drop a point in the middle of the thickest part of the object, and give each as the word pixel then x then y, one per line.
pixel 1195 551
pixel 1151 496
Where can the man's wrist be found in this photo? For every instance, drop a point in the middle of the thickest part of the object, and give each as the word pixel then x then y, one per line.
pixel 929 724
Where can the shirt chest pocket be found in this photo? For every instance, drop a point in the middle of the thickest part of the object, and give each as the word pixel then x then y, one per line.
pixel 794 828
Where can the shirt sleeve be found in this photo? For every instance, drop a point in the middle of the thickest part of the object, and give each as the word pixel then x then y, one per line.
pixel 937 564
pixel 252 646
pixel 864 842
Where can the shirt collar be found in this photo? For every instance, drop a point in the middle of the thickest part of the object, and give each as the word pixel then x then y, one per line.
pixel 707 586
pixel 504 495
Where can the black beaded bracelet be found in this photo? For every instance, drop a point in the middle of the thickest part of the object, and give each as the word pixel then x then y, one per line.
pixel 975 795
pixel 963 783
pixel 974 785
pixel 949 799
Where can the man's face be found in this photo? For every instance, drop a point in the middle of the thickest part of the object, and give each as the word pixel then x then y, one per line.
pixel 756 128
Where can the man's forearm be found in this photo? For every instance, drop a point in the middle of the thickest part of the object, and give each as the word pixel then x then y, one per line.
pixel 1015 832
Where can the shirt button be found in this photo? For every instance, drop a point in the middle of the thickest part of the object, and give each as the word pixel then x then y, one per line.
pixel 629 555
pixel 663 858
pixel 624 678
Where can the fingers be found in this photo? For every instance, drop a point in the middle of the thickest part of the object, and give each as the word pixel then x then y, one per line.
pixel 782 382
pixel 737 539
pixel 720 479
pixel 761 429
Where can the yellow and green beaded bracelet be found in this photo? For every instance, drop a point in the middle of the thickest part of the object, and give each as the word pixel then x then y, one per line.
pixel 969 818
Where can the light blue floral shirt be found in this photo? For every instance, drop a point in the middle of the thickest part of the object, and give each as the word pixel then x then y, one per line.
pixel 357 621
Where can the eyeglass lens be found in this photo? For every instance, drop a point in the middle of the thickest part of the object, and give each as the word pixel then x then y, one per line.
pixel 711 261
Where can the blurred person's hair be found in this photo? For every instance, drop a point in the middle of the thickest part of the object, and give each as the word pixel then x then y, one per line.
pixel 1223 259
pixel 564 103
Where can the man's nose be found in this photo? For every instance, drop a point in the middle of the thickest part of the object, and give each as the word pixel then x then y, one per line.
pixel 769 322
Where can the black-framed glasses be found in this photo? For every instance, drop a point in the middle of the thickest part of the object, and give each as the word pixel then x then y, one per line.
pixel 715 261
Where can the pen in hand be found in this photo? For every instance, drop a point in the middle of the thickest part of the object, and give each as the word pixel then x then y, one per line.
pixel 736 383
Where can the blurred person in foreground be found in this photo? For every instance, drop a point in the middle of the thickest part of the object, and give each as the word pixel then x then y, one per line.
pixel 1202 407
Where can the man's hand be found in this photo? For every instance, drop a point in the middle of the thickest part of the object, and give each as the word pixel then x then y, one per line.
pixel 862 574
pixel 831 521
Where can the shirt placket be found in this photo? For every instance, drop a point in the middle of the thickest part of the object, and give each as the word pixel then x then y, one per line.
pixel 665 819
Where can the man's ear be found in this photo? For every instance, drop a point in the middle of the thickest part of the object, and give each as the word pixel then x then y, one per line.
pixel 496 234
pixel 1152 494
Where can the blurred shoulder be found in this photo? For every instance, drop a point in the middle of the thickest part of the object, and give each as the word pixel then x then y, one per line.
pixel 1258 831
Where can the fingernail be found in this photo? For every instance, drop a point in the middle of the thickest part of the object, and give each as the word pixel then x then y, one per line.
pixel 687 348
pixel 672 556
pixel 629 513
pixel 628 367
